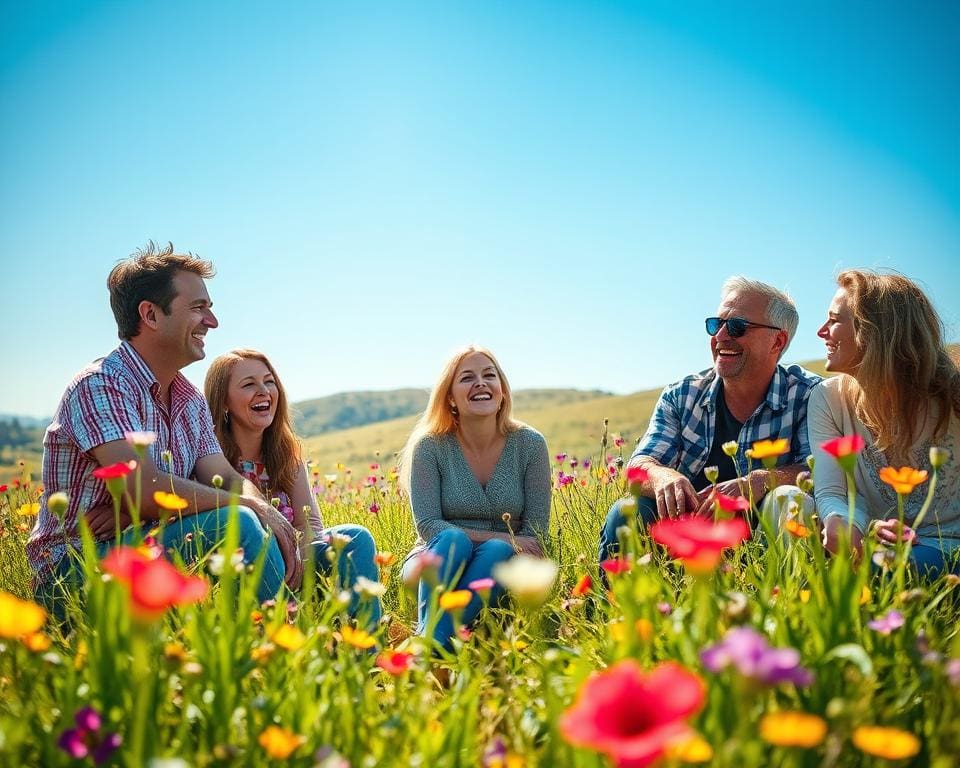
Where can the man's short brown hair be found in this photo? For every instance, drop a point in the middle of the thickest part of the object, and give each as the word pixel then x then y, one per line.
pixel 147 275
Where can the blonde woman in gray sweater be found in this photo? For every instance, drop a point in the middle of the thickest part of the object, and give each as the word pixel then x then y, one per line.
pixel 479 484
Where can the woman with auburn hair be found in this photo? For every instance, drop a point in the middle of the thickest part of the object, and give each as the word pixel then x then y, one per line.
pixel 252 423
pixel 899 390
pixel 479 484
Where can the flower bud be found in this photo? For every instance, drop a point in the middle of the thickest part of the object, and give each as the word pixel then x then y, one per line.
pixel 938 456
pixel 730 448
pixel 810 462
pixel 275 502
pixel 217 481
pixel 57 503
pixel 711 473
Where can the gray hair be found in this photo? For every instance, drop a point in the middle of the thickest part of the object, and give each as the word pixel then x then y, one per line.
pixel 781 311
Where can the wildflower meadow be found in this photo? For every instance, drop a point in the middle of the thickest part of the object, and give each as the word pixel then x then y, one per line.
pixel 726 642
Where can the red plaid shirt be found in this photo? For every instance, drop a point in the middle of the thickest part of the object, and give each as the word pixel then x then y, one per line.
pixel 112 396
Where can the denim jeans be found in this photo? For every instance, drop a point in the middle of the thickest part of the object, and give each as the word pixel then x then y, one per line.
pixel 356 559
pixel 191 537
pixel 609 544
pixel 463 561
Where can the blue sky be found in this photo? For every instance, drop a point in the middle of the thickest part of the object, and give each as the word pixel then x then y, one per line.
pixel 379 183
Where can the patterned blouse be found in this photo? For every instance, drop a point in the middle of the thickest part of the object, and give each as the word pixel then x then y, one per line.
pixel 256 473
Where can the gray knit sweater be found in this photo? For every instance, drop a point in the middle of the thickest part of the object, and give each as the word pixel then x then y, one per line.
pixel 445 493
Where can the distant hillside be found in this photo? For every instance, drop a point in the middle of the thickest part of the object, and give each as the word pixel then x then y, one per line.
pixel 573 427
pixel 355 409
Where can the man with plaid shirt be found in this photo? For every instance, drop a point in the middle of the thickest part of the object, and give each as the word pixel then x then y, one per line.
pixel 746 396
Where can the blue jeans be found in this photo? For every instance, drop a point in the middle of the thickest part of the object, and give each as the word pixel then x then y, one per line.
pixel 356 559
pixel 191 537
pixel 609 544
pixel 931 562
pixel 463 562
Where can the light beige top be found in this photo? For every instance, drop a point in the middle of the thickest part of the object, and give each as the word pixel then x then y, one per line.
pixel 829 415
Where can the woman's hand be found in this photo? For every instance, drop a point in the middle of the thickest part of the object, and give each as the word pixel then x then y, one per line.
pixel 834 529
pixel 286 536
pixel 890 531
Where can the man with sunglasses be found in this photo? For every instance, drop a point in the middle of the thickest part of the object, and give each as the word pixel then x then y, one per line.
pixel 746 396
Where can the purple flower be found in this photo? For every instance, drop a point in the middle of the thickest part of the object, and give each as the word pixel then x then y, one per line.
pixel 495 753
pixel 77 742
pixel 748 651
pixel 886 624
pixel 952 668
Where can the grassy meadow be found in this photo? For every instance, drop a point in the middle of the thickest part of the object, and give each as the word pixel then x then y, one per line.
pixel 769 655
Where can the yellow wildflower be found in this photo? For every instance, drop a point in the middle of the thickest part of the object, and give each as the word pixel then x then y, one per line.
pixel 170 501
pixel 456 600
pixel 792 729
pixel 19 617
pixel 765 449
pixel 358 638
pixel 288 637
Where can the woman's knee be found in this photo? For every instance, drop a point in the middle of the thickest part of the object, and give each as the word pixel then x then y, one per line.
pixel 497 550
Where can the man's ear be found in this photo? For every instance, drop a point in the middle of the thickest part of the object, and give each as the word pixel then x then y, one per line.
pixel 779 342
pixel 148 313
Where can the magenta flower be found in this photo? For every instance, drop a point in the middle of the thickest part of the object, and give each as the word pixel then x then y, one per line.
pixel 586 463
pixel 748 651
pixel 887 624
pixel 86 740
pixel 561 457
pixel 573 462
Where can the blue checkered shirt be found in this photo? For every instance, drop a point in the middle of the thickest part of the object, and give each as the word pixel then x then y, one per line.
pixel 683 424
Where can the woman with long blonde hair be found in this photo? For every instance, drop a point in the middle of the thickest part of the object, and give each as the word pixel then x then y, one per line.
pixel 479 484
pixel 252 422
pixel 899 389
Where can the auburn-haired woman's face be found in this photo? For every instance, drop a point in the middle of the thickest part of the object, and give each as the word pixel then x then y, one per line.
pixel 839 336
pixel 251 396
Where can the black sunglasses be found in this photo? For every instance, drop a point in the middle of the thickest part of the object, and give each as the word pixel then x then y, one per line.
pixel 736 326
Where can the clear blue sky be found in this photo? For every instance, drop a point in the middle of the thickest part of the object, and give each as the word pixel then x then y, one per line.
pixel 378 183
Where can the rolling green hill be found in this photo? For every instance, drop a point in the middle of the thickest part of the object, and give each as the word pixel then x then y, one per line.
pixel 355 409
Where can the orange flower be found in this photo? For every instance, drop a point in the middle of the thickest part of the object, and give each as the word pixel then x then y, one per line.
pixel 384 559
pixel 170 501
pixel 583 586
pixel 903 480
pixel 279 743
pixel 796 528
pixel 888 743
pixel 36 642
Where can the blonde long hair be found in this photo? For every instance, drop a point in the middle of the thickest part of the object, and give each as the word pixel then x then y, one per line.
pixel 280 451
pixel 905 376
pixel 439 419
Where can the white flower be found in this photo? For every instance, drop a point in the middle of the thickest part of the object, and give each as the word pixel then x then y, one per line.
pixel 529 579
pixel 369 588
pixel 141 439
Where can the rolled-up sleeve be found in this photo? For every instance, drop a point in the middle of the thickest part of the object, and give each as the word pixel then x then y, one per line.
pixel 661 440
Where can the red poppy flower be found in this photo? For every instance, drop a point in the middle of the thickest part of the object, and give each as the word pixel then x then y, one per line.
pixel 114 471
pixel 155 585
pixel 636 475
pixel 395 662
pixel 732 503
pixel 632 716
pixel 615 565
pixel 845 449
pixel 3 489
pixel 698 543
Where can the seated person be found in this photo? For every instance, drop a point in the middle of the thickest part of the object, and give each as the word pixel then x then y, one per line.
pixel 466 466
pixel 163 313
pixel 252 425
pixel 745 397
pixel 898 389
